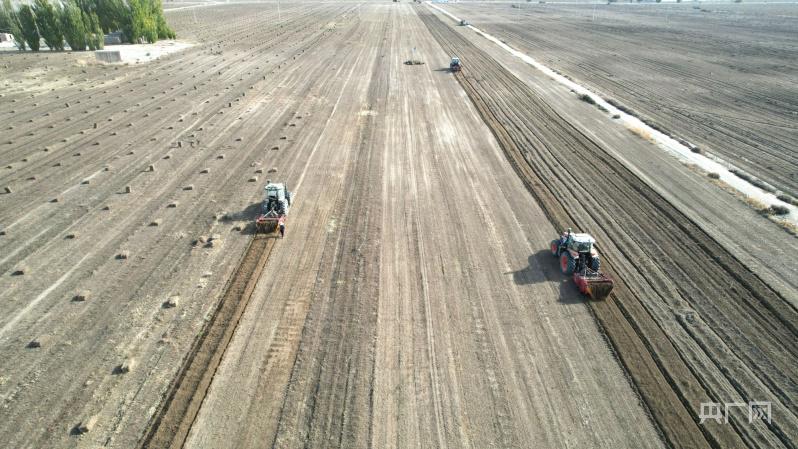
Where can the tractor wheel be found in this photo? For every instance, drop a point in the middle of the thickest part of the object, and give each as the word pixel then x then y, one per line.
pixel 595 263
pixel 567 263
pixel 555 247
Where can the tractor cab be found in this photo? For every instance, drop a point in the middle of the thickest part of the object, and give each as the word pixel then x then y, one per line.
pixel 275 207
pixel 581 243
pixel 275 194
pixel 454 66
pixel 578 257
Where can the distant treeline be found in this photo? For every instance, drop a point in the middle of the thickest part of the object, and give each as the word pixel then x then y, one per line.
pixel 81 24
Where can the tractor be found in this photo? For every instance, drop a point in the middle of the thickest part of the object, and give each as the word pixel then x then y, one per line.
pixel 454 66
pixel 579 257
pixel 275 208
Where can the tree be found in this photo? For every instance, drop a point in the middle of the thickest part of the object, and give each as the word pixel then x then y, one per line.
pixel 9 22
pixel 49 23
pixel 142 25
pixel 95 38
pixel 27 24
pixel 73 25
pixel 5 18
pixel 164 31
pixel 112 14
pixel 82 23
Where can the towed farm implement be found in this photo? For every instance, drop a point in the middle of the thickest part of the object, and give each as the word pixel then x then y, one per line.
pixel 275 208
pixel 579 257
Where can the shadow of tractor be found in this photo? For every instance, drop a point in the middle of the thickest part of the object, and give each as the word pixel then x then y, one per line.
pixel 543 267
pixel 245 218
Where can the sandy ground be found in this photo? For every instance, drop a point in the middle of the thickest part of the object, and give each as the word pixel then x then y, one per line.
pixel 424 324
pixel 721 76
pixel 141 53
pixel 130 53
pixel 406 270
pixel 681 305
pixel 413 302
pixel 687 189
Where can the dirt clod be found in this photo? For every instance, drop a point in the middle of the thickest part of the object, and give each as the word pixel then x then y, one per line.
pixel 171 303
pixel 125 367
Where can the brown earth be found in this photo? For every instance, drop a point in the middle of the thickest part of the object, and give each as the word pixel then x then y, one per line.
pixel 721 76
pixel 692 309
pixel 413 301
pixel 427 314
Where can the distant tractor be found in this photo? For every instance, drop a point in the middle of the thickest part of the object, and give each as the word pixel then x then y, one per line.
pixel 275 208
pixel 464 23
pixel 454 66
pixel 579 257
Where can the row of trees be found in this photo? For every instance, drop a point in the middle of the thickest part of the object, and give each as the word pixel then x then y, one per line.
pixel 81 24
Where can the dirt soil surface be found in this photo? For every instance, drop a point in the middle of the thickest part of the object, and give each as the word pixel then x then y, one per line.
pixel 694 311
pixel 413 302
pixel 720 76
pixel 413 306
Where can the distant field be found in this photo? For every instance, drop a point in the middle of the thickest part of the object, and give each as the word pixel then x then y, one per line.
pixel 722 76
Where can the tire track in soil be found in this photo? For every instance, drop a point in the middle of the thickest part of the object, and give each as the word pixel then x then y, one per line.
pixel 99 155
pixel 261 412
pixel 328 399
pixel 173 421
pixel 720 349
pixel 105 314
pixel 763 150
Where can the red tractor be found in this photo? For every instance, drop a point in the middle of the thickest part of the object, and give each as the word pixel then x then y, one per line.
pixel 579 257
